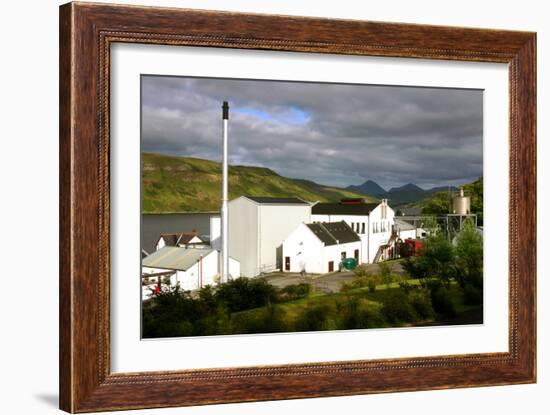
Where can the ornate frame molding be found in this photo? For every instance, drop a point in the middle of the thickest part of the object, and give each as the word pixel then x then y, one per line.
pixel 86 33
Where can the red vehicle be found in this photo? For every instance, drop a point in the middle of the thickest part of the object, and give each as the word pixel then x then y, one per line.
pixel 412 247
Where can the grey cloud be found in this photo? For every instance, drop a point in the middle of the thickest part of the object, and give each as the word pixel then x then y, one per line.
pixel 393 135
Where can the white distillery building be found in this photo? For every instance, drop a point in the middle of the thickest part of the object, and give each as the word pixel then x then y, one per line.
pixel 183 239
pixel 191 268
pixel 404 229
pixel 320 248
pixel 373 222
pixel 257 228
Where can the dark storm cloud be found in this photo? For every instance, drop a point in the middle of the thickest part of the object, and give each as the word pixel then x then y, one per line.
pixel 330 133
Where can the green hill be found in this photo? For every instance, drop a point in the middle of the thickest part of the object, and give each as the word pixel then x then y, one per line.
pixel 438 203
pixel 186 184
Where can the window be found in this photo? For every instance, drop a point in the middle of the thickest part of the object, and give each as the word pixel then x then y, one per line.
pixel 363 228
pixel 343 255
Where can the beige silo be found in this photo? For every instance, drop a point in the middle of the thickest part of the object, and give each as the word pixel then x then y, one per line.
pixel 461 204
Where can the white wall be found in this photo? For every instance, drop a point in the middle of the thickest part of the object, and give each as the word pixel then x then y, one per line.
pixel 379 238
pixel 32 92
pixel 351 220
pixel 406 234
pixel 334 253
pixel 276 222
pixel 195 277
pixel 243 234
pixel 305 251
pixel 370 241
pixel 215 232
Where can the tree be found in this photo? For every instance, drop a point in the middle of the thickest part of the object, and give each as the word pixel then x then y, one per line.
pixel 437 257
pixel 469 256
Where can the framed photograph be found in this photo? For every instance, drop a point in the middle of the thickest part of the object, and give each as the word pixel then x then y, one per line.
pixel 258 207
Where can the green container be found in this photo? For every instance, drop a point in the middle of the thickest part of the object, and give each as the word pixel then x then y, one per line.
pixel 349 263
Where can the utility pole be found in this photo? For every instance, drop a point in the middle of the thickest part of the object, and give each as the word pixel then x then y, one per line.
pixel 224 230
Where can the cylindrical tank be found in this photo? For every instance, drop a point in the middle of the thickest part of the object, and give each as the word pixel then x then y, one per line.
pixel 349 263
pixel 461 204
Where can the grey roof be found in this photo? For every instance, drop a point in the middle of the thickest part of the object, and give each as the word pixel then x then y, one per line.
pixel 278 200
pixel 339 208
pixel 175 239
pixel 332 233
pixel 410 211
pixel 170 257
pixel 170 239
pixel 403 225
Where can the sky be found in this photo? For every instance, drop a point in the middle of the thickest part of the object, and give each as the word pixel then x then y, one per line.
pixel 333 134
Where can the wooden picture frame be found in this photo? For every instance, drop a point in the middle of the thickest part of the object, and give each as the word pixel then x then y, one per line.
pixel 86 33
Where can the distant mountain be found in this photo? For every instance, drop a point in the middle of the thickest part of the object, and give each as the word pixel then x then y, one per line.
pixel 186 184
pixel 404 194
pixel 369 187
pixel 398 196
pixel 442 189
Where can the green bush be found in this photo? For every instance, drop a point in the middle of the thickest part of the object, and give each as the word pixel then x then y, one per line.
pixel 294 292
pixel 396 307
pixel 359 314
pixel 406 287
pixel 443 303
pixel 314 318
pixel 361 271
pixel 371 284
pixel 422 304
pixel 362 281
pixel 473 295
pixel 270 319
pixel 245 293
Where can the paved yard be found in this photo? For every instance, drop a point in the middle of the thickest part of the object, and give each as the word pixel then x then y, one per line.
pixel 324 282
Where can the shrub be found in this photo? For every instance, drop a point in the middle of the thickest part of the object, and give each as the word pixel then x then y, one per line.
pixel 245 293
pixel 473 295
pixel 314 318
pixel 170 313
pixel 361 271
pixel 442 302
pixel 361 282
pixel 270 319
pixel 422 304
pixel 406 287
pixel 371 284
pixel 294 292
pixel 369 281
pixel 396 307
pixel 359 314
pixel 469 256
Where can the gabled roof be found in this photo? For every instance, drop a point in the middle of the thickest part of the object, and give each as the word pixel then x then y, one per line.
pixel 277 200
pixel 410 211
pixel 339 208
pixel 333 233
pixel 175 239
pixel 177 258
pixel 403 225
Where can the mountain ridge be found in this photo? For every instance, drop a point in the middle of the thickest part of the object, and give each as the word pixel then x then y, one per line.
pixel 189 184
pixel 399 195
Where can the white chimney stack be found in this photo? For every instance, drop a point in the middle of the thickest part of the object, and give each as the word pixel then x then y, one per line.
pixel 224 230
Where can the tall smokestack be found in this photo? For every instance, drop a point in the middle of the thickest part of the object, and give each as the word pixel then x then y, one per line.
pixel 224 231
